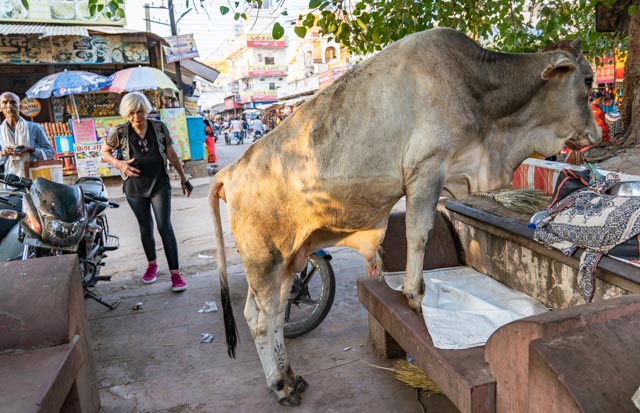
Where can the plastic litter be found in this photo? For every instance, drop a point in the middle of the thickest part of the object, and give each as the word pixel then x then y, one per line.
pixel 138 306
pixel 208 307
pixel 347 349
pixel 537 217
pixel 206 338
pixel 204 256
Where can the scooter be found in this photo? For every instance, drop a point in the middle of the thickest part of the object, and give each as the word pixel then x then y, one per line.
pixel 311 296
pixel 43 218
pixel 257 135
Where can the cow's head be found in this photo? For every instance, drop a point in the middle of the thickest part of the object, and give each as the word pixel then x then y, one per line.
pixel 567 83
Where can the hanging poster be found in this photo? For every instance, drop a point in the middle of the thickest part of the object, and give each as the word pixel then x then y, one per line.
pixel 176 122
pixel 89 161
pixel 104 124
pixel 191 105
pixel 180 47
pixel 83 130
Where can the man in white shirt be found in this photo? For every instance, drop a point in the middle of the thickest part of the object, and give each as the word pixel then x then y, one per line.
pixel 20 140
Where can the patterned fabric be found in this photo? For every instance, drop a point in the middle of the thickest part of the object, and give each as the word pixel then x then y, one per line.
pixel 588 218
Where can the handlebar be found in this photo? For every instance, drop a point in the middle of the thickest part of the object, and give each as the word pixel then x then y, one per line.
pixel 15 181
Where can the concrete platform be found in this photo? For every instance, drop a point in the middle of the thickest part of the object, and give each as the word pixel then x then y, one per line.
pixel 151 360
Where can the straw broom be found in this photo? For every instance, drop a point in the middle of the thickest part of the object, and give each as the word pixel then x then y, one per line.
pixel 411 375
pixel 526 201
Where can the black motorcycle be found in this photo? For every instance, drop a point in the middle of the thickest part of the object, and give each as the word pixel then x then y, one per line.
pixel 56 219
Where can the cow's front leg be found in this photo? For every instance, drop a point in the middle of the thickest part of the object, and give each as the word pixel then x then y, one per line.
pixel 421 208
pixel 265 317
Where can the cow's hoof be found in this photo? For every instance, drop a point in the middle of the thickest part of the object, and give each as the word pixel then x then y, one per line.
pixel 416 304
pixel 300 385
pixel 292 400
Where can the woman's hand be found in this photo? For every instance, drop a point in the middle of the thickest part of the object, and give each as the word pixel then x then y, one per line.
pixel 186 188
pixel 126 168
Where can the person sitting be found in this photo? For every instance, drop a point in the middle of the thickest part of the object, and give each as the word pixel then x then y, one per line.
pixel 596 103
pixel 20 140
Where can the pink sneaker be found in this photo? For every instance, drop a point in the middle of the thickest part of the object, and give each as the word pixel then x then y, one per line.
pixel 178 283
pixel 149 276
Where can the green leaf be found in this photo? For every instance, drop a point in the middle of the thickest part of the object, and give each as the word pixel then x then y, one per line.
pixel 244 16
pixel 314 3
pixel 632 10
pixel 361 24
pixel 224 10
pixel 25 4
pixel 300 31
pixel 278 31
pixel 309 20
pixel 236 16
pixel 120 12
pixel 285 13
pixel 92 8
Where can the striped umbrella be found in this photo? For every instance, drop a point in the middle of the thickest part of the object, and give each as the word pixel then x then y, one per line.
pixel 68 82
pixel 139 78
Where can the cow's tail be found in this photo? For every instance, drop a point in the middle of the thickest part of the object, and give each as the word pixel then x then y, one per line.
pixel 230 328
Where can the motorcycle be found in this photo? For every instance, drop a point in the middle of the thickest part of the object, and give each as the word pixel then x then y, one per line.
pixel 44 218
pixel 311 296
pixel 257 135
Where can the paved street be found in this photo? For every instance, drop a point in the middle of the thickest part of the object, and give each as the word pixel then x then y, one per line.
pixel 151 360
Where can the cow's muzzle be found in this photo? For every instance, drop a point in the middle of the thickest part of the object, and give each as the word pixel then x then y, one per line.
pixel 581 140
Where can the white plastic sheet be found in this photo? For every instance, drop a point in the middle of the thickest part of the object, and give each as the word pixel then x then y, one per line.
pixel 462 307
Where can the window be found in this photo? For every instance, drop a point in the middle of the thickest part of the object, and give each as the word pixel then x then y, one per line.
pixel 269 60
pixel 329 54
pixel 272 86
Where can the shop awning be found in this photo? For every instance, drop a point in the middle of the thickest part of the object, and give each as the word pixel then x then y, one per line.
pixel 51 30
pixel 191 68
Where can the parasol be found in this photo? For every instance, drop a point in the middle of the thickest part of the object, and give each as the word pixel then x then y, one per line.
pixel 139 78
pixel 65 83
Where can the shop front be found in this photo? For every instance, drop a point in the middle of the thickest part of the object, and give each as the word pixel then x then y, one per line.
pixel 76 125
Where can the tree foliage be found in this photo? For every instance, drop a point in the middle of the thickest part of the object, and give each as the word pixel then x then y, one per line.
pixel 366 26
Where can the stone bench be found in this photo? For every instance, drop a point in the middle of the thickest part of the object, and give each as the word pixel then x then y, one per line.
pixel 512 372
pixel 46 364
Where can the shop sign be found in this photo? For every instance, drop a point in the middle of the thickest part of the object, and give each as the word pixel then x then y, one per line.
pixel 605 69
pixel 56 11
pixel 264 95
pixel 621 60
pixel 101 49
pixel 30 107
pixel 180 47
pixel 84 130
pixel 264 40
pixel 89 161
pixel 191 105
pixel 176 122
pixel 105 124
pixel 267 70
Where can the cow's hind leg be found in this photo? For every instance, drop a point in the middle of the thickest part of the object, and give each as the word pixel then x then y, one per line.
pixel 264 312
pixel 422 200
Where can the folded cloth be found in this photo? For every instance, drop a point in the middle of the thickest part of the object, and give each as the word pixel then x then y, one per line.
pixel 591 219
pixel 463 307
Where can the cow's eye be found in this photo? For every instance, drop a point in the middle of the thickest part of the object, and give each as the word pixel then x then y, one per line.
pixel 589 82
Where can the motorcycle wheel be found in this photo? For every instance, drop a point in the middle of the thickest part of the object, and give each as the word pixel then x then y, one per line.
pixel 311 297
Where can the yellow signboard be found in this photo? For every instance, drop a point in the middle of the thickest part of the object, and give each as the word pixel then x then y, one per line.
pixel 57 11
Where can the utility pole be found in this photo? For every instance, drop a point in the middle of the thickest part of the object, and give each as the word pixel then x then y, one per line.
pixel 174 32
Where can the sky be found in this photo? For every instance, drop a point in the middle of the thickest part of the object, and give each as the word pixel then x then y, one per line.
pixel 211 32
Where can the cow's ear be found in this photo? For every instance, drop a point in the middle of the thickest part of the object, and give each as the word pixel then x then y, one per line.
pixel 562 66
pixel 577 45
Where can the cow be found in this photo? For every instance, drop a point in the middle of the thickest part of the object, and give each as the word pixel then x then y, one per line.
pixel 432 114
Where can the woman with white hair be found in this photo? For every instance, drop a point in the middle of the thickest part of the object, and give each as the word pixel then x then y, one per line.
pixel 144 146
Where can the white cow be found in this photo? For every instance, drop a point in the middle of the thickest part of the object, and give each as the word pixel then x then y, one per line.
pixel 431 114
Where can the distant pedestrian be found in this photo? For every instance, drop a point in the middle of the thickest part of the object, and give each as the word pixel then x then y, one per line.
pixel 210 142
pixel 596 103
pixel 236 129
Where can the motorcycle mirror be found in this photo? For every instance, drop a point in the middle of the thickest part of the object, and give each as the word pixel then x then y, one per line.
pixel 11 214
